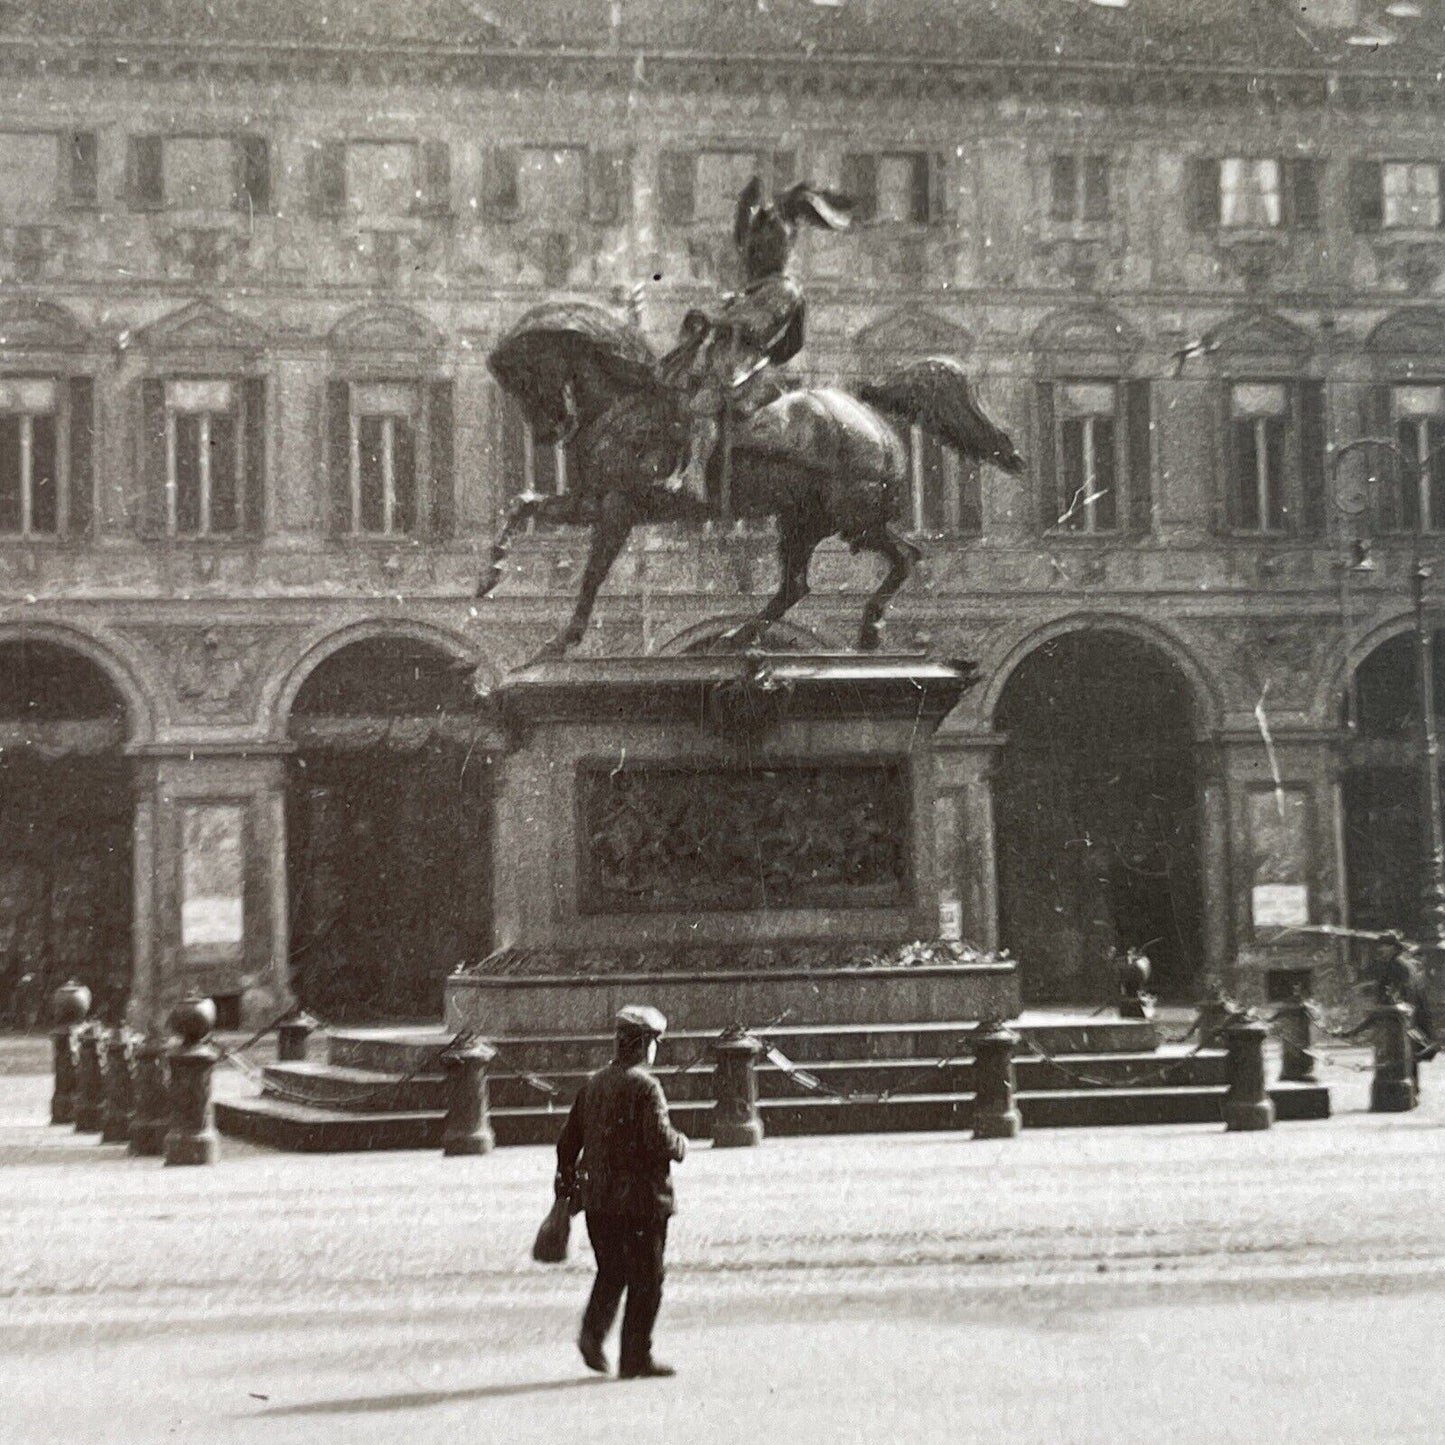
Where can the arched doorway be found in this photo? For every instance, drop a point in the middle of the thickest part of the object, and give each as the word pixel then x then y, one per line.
pixel 388 829
pixel 1097 822
pixel 1383 821
pixel 66 815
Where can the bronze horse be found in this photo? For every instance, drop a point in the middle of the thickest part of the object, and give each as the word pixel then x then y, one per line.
pixel 821 461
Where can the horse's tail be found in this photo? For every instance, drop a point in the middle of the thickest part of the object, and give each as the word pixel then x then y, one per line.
pixel 935 393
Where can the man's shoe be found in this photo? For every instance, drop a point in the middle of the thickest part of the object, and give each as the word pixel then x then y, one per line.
pixel 647 1370
pixel 593 1355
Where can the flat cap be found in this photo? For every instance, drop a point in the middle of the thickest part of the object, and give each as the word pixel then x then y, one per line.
pixel 638 1018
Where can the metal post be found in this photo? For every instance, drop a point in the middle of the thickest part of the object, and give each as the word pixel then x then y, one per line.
pixel 119 1095
pixel 995 1115
pixel 1247 1105
pixel 736 1123
pixel 1293 1026
pixel 468 1128
pixel 89 1081
pixel 151 1119
pixel 192 1138
pixel 1392 1090
pixel 69 1006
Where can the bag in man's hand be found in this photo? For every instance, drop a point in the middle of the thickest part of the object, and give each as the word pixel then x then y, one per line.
pixel 550 1246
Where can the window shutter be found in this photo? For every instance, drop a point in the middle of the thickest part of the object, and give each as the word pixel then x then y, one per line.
pixel 1096 188
pixel 1367 195
pixel 1302 194
pixel 784 165
pixel 253 178
pixel 404 478
pixel 501 194
pixel 436 171
pixel 328 178
pixel 253 432
pixel 1138 439
pixel 82 167
pixel 940 188
pixel 1044 450
pixel 152 512
pixel 145 170
pixel 1062 184
pixel 338 457
pixel 920 191
pixel 676 186
pixel 1310 403
pixel 1203 199
pixel 81 488
pixel 860 181
pixel 609 187
pixel 443 511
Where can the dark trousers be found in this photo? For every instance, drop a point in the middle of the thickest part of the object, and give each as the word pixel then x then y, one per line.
pixel 629 1258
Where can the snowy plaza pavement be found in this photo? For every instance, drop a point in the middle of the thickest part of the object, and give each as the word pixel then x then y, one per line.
pixel 1162 1284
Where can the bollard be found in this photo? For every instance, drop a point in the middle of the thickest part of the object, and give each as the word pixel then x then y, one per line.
pixel 191 1138
pixel 293 1036
pixel 119 1096
pixel 1294 1028
pixel 89 1080
pixel 151 1117
pixel 1247 1104
pixel 1214 1016
pixel 1392 1090
pixel 736 1123
pixel 1133 976
pixel 995 1115
pixel 68 1007
pixel 468 1128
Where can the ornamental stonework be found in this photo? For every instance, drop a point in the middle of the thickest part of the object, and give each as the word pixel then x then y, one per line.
pixel 215 672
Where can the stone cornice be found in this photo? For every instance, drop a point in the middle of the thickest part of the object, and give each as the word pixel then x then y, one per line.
pixel 792 77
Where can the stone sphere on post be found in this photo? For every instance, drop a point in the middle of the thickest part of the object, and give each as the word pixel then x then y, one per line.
pixel 151 1117
pixel 69 1005
pixel 1247 1105
pixel 995 1115
pixel 119 1093
pixel 89 1080
pixel 1392 1090
pixel 192 1138
pixel 468 1128
pixel 736 1122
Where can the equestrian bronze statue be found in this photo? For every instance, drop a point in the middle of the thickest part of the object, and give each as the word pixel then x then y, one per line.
pixel 711 430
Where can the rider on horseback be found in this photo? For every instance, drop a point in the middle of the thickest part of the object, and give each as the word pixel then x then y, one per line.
pixel 725 358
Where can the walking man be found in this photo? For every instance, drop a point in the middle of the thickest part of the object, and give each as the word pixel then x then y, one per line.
pixel 614 1160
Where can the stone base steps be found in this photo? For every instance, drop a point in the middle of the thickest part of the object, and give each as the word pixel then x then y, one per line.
pixel 382 1089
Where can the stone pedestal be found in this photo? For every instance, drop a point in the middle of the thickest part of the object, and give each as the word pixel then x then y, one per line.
pixel 727 836
pixel 736 1123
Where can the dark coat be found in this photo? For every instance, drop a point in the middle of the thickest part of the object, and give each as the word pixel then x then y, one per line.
pixel 617 1147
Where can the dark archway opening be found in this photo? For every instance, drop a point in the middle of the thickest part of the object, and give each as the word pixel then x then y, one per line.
pixel 1384 823
pixel 388 816
pixel 1096 817
pixel 66 814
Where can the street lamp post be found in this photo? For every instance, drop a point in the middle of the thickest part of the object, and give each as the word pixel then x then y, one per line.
pixel 1432 872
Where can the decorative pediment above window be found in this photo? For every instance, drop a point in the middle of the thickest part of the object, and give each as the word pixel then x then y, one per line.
pixel 1085 339
pixel 31 326
pixel 202 327
pixel 1415 331
pixel 1260 336
pixel 391 329
pixel 913 334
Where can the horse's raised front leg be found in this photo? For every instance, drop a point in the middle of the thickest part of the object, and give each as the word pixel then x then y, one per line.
pixel 798 538
pixel 900 554
pixel 613 525
pixel 555 511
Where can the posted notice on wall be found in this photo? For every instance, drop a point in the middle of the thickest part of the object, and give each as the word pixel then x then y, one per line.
pixel 1280 905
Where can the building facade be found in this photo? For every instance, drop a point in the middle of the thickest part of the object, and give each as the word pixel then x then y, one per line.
pixel 252 462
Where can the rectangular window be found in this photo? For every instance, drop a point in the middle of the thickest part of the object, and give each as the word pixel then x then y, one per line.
pixel 1088 465
pixel 1411 194
pixel 1420 434
pixel 213 878
pixel 204 461
pixel 946 496
pixel 530 467
pixel 83 167
pixel 1259 422
pixel 1079 188
pixel 199 173
pixel 890 186
pixel 383 178
pixel 29 459
pixel 552 185
pixel 383 422
pixel 1250 193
